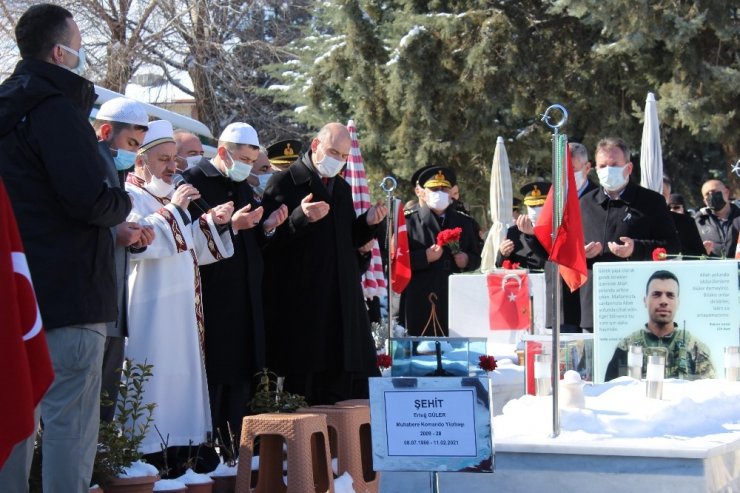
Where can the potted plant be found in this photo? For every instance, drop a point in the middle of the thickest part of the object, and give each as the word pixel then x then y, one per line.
pixel 118 466
pixel 224 477
pixel 270 397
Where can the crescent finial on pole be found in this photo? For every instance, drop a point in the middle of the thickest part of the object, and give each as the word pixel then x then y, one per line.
pixel 388 185
pixel 546 117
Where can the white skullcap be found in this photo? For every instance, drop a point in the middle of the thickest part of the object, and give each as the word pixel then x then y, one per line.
pixel 240 133
pixel 123 110
pixel 160 131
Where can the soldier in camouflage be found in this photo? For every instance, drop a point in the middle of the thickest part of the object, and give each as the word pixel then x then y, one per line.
pixel 687 357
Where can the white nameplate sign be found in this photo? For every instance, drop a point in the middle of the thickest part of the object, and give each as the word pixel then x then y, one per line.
pixel 431 424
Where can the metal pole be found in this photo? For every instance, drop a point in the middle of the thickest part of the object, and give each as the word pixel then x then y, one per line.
pixel 559 179
pixel 388 185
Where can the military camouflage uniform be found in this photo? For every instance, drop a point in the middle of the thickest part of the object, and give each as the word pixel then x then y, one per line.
pixel 687 356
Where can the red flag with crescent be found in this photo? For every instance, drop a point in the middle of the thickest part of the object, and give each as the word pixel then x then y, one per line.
pixel 401 258
pixel 508 295
pixel 25 365
pixel 568 251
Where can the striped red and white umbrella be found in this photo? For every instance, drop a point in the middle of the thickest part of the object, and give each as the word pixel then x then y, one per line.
pixel 373 280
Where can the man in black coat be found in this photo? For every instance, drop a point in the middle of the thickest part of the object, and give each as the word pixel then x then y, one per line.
pixel 521 245
pixel 120 126
pixel 715 221
pixel 431 265
pixel 572 300
pixel 688 233
pixel 55 180
pixel 621 220
pixel 318 333
pixel 232 288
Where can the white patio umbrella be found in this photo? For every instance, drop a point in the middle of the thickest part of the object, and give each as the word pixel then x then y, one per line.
pixel 373 280
pixel 501 197
pixel 651 154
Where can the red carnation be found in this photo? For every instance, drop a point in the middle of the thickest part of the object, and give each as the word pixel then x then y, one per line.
pixel 660 254
pixel 508 264
pixel 451 238
pixel 384 361
pixel 487 363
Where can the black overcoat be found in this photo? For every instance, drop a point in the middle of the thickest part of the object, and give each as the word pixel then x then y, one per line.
pixel 232 287
pixel 426 278
pixel 528 252
pixel 55 179
pixel 315 315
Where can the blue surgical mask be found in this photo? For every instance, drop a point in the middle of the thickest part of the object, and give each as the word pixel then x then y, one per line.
pixel 124 159
pixel 239 170
pixel 263 179
pixel 80 54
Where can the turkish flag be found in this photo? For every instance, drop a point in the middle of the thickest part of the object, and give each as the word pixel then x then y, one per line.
pixel 569 250
pixel 508 295
pixel 401 258
pixel 25 365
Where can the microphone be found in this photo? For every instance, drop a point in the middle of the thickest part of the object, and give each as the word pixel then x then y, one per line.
pixel 178 180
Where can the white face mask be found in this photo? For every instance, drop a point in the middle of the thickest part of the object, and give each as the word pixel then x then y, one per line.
pixel 437 201
pixel 239 170
pixel 193 161
pixel 157 186
pixel 612 177
pixel 80 54
pixel 580 177
pixel 533 213
pixel 329 167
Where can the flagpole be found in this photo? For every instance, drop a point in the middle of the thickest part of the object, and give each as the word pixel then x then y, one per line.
pixel 559 181
pixel 388 185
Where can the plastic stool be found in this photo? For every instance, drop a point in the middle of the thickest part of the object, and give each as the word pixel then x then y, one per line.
pixel 354 402
pixel 350 442
pixel 309 462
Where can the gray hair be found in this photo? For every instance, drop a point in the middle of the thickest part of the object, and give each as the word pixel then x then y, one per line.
pixel 578 150
pixel 609 142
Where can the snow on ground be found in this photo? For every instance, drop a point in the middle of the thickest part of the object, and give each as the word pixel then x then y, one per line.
pixel 693 413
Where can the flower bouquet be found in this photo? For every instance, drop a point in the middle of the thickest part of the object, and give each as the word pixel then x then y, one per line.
pixel 450 238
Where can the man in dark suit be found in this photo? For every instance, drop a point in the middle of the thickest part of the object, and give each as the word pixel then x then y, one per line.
pixel 431 264
pixel 232 288
pixel 688 234
pixel 621 220
pixel 521 246
pixel 318 333
pixel 572 300
pixel 120 126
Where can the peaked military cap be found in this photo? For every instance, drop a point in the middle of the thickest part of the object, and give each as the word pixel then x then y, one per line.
pixel 437 176
pixel 283 153
pixel 417 174
pixel 535 193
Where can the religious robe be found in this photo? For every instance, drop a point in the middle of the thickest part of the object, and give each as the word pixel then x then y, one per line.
pixel 166 315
